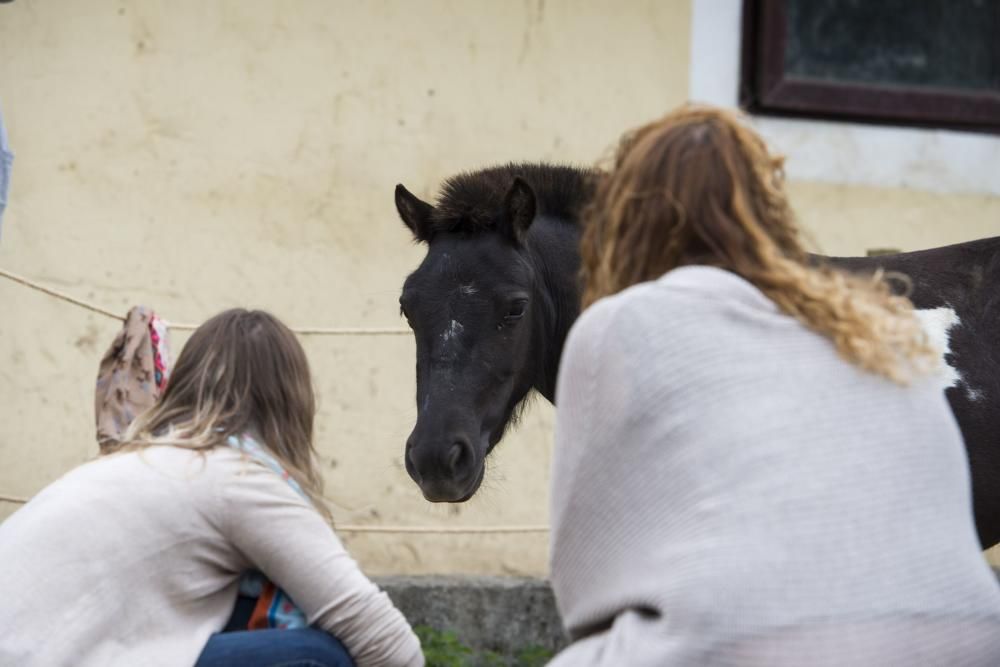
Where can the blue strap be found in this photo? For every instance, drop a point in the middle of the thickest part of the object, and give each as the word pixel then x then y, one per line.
pixel 6 164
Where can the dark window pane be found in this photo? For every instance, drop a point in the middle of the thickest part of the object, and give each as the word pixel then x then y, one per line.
pixel 914 43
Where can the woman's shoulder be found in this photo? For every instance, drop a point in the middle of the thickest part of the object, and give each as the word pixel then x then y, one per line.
pixel 209 467
pixel 712 287
pixel 250 473
pixel 629 305
pixel 174 459
pixel 679 304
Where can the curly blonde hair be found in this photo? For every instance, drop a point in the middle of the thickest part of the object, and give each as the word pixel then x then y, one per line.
pixel 699 186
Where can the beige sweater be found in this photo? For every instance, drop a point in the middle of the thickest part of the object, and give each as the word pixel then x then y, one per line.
pixel 727 491
pixel 133 559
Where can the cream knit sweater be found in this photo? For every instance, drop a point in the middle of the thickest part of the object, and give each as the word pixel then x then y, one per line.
pixel 728 491
pixel 133 559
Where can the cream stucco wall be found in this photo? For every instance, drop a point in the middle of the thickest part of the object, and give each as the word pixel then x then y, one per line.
pixel 849 220
pixel 194 156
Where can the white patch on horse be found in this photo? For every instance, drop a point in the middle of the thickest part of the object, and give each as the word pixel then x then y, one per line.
pixel 938 323
pixel 452 332
pixel 467 290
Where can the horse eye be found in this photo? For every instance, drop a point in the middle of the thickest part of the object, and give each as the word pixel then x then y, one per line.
pixel 516 310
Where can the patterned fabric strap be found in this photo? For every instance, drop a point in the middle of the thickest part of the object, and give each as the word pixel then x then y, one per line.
pixel 274 608
pixel 161 352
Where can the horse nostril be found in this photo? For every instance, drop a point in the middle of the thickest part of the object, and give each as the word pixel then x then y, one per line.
pixel 460 457
pixel 411 467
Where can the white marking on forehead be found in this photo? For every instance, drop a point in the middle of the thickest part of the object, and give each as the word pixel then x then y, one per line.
pixel 938 323
pixel 452 332
pixel 467 290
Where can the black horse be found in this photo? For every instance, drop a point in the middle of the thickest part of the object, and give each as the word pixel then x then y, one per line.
pixel 497 292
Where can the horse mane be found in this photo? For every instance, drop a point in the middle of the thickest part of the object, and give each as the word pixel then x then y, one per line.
pixel 470 201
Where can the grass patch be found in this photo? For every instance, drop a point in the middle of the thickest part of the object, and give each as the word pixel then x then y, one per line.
pixel 443 648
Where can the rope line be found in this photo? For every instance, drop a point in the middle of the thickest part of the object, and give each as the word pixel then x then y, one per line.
pixel 100 310
pixel 395 530
pixel 440 529
pixel 59 295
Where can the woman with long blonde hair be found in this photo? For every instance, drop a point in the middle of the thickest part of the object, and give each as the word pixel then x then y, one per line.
pixel 136 557
pixel 754 462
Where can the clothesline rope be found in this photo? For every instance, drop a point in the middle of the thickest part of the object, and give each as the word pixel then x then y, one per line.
pixel 419 530
pixel 494 530
pixel 94 308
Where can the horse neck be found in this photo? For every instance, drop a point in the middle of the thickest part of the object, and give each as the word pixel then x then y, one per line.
pixel 554 251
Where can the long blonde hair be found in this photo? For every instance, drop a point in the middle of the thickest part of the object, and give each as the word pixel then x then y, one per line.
pixel 699 186
pixel 241 372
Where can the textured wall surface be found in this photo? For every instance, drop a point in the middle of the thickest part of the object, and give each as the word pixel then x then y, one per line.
pixel 195 156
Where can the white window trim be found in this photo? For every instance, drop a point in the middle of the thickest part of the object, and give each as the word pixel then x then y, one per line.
pixel 835 152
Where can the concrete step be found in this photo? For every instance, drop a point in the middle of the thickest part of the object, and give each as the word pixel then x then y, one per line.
pixel 509 616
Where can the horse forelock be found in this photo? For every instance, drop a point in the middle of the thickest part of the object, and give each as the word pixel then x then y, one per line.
pixel 471 202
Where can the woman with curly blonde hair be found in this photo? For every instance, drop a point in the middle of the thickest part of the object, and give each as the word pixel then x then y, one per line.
pixel 754 465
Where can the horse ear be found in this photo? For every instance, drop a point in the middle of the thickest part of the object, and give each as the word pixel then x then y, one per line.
pixel 519 208
pixel 415 212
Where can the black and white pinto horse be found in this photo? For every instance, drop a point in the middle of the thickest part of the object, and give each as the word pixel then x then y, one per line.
pixel 497 292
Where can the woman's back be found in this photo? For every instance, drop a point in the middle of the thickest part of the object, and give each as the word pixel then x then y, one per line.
pixel 113 545
pixel 135 558
pixel 771 503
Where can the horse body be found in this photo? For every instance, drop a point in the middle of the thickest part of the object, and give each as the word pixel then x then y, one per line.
pixel 497 292
pixel 956 290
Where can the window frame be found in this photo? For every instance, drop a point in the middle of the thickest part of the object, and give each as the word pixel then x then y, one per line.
pixel 766 89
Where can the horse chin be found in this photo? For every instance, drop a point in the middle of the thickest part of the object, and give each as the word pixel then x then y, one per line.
pixel 474 487
pixel 461 496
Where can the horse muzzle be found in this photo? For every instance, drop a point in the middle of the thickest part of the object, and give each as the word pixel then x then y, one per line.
pixel 450 471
